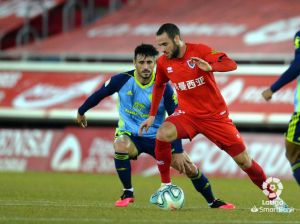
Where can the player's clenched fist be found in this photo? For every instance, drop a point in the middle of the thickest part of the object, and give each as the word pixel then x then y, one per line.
pixel 81 120
pixel 267 94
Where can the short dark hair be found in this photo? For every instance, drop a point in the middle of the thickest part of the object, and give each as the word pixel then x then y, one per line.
pixel 170 29
pixel 146 50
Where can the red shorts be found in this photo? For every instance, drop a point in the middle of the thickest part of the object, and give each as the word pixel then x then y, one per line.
pixel 220 131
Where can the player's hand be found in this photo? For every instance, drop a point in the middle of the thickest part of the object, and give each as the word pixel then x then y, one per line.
pixel 267 94
pixel 81 120
pixel 178 162
pixel 146 125
pixel 203 65
pixel 181 163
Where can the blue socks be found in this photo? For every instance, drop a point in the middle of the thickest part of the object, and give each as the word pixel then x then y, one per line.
pixel 296 171
pixel 123 167
pixel 202 185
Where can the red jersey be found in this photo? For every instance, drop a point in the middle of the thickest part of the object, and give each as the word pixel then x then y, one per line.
pixel 197 90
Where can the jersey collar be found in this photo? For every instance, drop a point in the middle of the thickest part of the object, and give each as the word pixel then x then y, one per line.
pixel 141 85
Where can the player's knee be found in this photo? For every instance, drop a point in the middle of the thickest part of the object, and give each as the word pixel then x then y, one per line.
pixel 122 145
pixel 166 132
pixel 292 152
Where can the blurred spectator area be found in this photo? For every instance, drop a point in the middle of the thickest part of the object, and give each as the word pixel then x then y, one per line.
pixel 255 32
pixel 22 22
pixel 55 53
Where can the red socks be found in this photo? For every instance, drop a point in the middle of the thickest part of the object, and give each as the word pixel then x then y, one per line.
pixel 256 174
pixel 163 156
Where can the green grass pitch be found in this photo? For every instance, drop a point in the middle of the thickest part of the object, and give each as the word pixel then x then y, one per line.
pixel 89 198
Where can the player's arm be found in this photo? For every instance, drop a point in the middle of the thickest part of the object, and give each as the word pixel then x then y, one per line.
pixel 170 99
pixel 158 89
pixel 289 75
pixel 108 88
pixel 211 60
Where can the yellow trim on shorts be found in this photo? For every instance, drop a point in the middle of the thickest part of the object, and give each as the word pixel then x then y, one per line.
pixel 290 133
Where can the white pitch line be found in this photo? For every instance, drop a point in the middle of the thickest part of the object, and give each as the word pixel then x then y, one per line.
pixel 46 203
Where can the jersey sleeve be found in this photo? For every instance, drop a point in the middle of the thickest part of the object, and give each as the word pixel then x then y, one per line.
pixel 219 61
pixel 158 89
pixel 170 99
pixel 111 86
pixel 294 69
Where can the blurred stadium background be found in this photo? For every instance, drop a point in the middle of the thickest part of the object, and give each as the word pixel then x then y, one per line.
pixel 54 53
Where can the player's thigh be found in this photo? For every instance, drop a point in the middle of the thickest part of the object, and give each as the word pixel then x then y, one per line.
pixel 144 145
pixel 183 124
pixel 225 135
pixel 292 151
pixel 124 144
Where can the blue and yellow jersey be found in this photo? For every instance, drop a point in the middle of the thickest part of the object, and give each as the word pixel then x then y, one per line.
pixel 292 73
pixel 134 102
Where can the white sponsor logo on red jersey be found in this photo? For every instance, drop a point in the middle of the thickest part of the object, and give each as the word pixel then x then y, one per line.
pixel 169 69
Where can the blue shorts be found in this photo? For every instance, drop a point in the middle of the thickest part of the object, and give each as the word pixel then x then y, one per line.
pixel 143 145
pixel 293 132
pixel 147 145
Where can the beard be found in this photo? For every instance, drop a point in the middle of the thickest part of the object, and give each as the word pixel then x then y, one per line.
pixel 175 51
pixel 145 74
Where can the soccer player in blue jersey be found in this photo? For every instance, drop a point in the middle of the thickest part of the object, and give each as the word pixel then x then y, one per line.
pixel 134 89
pixel 292 135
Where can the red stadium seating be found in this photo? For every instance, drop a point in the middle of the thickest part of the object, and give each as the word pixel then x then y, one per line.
pixel 257 29
pixel 13 16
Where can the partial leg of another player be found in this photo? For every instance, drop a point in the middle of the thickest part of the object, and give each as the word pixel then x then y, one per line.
pixel 293 155
pixel 292 145
pixel 124 150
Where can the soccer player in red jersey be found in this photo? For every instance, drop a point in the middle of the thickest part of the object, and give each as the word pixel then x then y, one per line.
pixel 201 107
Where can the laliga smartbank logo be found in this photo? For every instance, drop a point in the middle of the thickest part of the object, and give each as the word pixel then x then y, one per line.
pixel 272 188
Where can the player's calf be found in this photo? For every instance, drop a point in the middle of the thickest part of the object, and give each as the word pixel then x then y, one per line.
pixel 243 160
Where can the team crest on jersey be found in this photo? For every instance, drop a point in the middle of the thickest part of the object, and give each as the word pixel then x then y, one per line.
pixel 169 69
pixel 191 64
pixel 129 93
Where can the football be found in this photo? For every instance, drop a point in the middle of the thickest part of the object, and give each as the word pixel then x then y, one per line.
pixel 170 197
